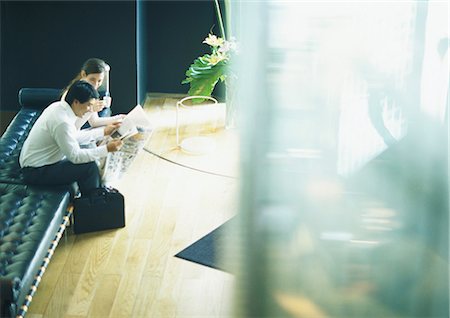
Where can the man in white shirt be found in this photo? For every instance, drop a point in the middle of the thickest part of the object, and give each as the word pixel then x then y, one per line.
pixel 51 154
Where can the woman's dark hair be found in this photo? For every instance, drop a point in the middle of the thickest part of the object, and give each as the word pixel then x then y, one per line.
pixel 91 66
pixel 81 91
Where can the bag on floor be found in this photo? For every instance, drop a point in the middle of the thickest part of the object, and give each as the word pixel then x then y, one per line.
pixel 103 209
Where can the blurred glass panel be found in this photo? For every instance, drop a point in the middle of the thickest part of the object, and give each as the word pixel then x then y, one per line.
pixel 344 208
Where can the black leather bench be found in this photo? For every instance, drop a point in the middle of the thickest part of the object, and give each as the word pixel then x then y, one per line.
pixel 32 219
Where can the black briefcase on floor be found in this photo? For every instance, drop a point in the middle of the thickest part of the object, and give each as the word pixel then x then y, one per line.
pixel 103 209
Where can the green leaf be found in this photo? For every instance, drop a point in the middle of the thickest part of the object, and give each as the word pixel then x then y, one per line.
pixel 203 77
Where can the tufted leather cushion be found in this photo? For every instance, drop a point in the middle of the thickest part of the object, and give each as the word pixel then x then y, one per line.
pixel 29 219
pixel 33 101
pixel 11 143
pixel 38 98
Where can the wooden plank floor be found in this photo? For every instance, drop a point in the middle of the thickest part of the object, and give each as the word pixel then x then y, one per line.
pixel 132 272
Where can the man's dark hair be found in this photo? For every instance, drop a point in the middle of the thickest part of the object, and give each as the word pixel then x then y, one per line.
pixel 81 91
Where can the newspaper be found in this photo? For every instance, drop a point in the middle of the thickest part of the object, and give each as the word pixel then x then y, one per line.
pixel 134 130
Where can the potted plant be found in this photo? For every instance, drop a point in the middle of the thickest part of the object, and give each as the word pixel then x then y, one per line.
pixel 207 70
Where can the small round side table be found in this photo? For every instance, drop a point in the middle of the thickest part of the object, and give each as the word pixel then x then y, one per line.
pixel 197 145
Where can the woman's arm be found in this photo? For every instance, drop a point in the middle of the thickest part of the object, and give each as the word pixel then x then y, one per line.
pixel 96 121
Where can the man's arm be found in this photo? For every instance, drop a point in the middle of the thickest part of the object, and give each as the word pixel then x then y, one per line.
pixel 85 136
pixel 66 138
